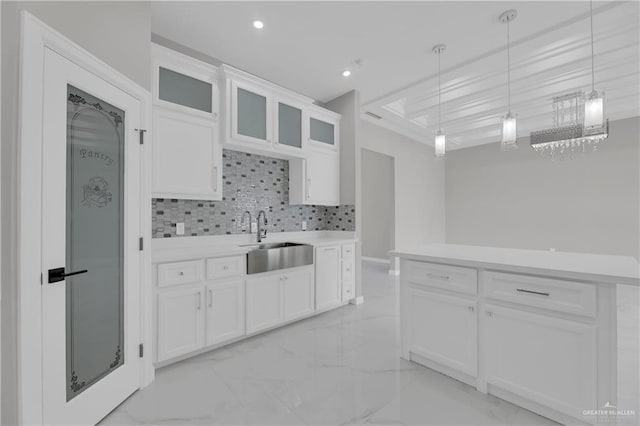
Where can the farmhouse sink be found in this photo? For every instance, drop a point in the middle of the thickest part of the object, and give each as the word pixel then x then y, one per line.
pixel 267 257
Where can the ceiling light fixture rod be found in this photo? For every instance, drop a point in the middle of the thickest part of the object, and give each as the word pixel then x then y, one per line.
pixel 438 49
pixel 593 77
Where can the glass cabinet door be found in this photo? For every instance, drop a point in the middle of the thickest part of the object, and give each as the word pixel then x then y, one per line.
pixel 251 113
pixel 321 131
pixel 289 125
pixel 184 90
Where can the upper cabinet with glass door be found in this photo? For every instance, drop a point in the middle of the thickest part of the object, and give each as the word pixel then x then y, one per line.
pixel 187 153
pixel 184 84
pixel 265 118
pixel 323 128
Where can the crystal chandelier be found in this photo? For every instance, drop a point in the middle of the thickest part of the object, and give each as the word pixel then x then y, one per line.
pixel 578 121
pixel 440 139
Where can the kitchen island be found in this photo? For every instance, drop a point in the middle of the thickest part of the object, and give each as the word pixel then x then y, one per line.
pixel 537 328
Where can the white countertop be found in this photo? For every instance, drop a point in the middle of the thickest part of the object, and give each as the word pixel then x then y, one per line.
pixel 578 266
pixel 183 248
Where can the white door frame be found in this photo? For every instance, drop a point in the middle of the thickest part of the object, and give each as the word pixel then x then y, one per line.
pixel 35 36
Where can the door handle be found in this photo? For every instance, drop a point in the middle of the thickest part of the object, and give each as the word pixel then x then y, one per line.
pixel 58 274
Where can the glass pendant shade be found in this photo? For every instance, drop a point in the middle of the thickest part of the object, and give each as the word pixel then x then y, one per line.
pixel 440 143
pixel 594 120
pixel 509 132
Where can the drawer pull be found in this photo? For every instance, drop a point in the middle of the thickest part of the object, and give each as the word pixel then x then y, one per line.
pixel 540 293
pixel 438 277
pixel 471 309
pixel 225 267
pixel 181 273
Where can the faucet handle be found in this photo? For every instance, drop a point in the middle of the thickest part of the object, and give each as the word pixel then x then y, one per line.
pixel 263 232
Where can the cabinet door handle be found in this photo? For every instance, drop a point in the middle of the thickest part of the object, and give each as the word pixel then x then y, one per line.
pixel 540 293
pixel 438 277
pixel 471 309
pixel 215 178
pixel 210 298
pixel 489 313
pixel 308 188
pixel 199 301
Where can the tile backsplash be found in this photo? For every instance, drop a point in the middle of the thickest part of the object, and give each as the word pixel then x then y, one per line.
pixel 251 182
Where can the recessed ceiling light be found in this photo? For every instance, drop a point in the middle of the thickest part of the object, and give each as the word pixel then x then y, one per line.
pixel 258 24
pixel 346 73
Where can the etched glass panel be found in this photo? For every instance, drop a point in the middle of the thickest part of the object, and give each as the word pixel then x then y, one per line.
pixel 321 131
pixel 289 125
pixel 184 90
pixel 252 114
pixel 94 240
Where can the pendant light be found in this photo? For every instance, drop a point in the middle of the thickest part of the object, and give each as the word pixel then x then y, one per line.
pixel 509 121
pixel 594 120
pixel 441 139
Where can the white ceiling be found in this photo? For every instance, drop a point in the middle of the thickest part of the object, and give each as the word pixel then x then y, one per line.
pixel 305 46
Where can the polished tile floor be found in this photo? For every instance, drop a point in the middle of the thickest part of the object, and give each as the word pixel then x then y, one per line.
pixel 341 367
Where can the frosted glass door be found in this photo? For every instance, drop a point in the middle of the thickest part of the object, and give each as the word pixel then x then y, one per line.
pixel 184 90
pixel 94 240
pixel 289 125
pixel 321 131
pixel 252 114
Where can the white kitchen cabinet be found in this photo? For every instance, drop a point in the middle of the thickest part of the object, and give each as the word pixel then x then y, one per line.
pixel 187 153
pixel 328 289
pixel 442 328
pixel 298 293
pixel 250 113
pixel 315 179
pixel 180 322
pixel 264 300
pixel 225 311
pixel 187 156
pixel 184 84
pixel 289 126
pixel 323 128
pixel 548 360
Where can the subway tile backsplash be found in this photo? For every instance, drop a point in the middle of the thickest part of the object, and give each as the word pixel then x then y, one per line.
pixel 251 182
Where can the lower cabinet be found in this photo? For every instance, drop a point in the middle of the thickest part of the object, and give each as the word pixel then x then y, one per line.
pixel 225 311
pixel 198 316
pixel 278 297
pixel 545 359
pixel 180 322
pixel 264 302
pixel 328 291
pixel 298 294
pixel 442 328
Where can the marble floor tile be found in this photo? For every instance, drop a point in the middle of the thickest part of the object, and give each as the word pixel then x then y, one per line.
pixel 340 367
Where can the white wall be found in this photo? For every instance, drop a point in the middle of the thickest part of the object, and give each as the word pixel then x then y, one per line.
pixel 378 224
pixel 516 199
pixel 419 185
pixel 119 34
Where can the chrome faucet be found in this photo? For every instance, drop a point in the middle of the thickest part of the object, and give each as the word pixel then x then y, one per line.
pixel 246 212
pixel 262 233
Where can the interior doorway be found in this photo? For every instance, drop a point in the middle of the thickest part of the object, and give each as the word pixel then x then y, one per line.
pixel 378 206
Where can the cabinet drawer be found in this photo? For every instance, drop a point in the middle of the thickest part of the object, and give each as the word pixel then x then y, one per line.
pixel 453 278
pixel 224 267
pixel 348 251
pixel 180 273
pixel 558 295
pixel 348 273
pixel 348 291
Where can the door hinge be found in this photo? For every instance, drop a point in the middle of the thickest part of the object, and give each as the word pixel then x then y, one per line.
pixel 141 244
pixel 142 132
pixel 141 350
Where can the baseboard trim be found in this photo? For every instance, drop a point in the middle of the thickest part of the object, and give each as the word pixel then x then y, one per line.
pixel 374 259
pixel 357 300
